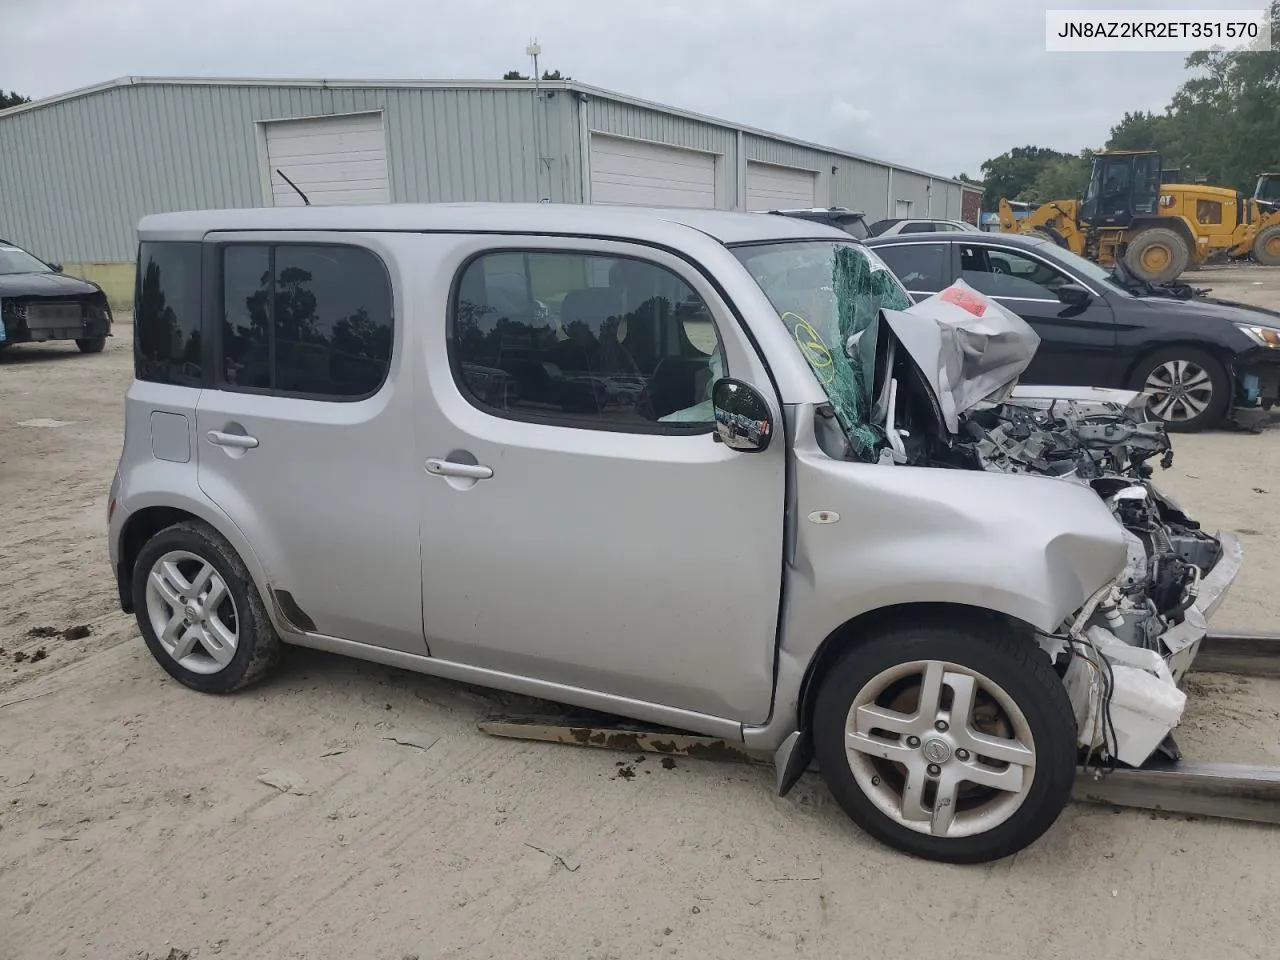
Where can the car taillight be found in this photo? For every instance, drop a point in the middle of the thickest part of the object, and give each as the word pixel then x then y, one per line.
pixel 111 509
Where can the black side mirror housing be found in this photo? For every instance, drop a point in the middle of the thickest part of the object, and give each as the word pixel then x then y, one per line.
pixel 55 267
pixel 1074 295
pixel 743 421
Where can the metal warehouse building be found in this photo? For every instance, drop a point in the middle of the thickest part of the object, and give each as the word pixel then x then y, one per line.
pixel 77 171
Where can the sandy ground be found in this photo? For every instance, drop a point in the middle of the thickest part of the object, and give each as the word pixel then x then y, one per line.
pixel 347 810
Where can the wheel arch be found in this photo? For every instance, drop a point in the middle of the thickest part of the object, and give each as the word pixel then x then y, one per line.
pixel 145 521
pixel 1222 354
pixel 837 642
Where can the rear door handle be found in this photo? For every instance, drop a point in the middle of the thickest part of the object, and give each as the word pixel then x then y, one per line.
pixel 452 468
pixel 240 440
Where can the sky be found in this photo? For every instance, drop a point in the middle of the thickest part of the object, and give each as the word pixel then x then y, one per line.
pixel 940 85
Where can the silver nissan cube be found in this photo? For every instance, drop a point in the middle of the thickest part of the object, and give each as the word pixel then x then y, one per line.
pixel 708 470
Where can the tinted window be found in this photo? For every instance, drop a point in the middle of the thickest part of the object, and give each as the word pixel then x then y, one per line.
pixel 313 320
pixel 166 335
pixel 922 267
pixel 1000 272
pixel 916 228
pixel 590 341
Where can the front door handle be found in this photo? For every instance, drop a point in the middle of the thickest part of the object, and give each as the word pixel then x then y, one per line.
pixel 239 440
pixel 452 468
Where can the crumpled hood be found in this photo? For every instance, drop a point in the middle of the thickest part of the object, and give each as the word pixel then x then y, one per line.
pixel 968 347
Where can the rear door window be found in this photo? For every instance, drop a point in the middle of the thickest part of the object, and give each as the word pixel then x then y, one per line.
pixel 306 320
pixel 923 268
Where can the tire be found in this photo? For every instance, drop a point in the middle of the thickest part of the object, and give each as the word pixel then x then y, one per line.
pixel 227 647
pixel 1157 255
pixel 92 344
pixel 985 823
pixel 1266 246
pixel 1205 388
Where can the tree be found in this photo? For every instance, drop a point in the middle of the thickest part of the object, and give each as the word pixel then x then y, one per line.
pixel 1013 174
pixel 546 75
pixel 1062 178
pixel 12 99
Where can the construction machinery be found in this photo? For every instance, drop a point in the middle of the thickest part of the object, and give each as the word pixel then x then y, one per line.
pixel 1157 229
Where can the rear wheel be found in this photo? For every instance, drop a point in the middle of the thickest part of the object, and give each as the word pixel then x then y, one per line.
pixel 946 742
pixel 91 344
pixel 1186 387
pixel 1266 246
pixel 1157 255
pixel 200 612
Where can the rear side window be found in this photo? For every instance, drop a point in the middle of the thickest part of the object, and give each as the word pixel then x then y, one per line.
pixel 309 320
pixel 605 343
pixel 922 267
pixel 917 228
pixel 167 346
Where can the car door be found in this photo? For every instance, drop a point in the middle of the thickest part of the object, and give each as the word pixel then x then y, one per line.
pixel 923 267
pixel 579 523
pixel 305 431
pixel 1077 343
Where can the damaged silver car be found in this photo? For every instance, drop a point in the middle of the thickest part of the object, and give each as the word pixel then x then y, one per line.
pixel 704 470
pixel 934 385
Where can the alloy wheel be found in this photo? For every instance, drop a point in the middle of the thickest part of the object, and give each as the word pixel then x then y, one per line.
pixel 192 612
pixel 1180 390
pixel 940 748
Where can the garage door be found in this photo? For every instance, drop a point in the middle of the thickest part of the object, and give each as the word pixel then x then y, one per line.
pixel 651 174
pixel 332 160
pixel 780 188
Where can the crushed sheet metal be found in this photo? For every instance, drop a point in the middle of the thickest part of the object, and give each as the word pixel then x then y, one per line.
pixel 562 730
pixel 1243 652
pixel 1230 791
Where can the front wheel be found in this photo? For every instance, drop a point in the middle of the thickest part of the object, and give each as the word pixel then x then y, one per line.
pixel 1266 246
pixel 1187 388
pixel 91 344
pixel 1157 255
pixel 948 743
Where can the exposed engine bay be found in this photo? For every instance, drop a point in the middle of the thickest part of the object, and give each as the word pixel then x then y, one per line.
pixel 943 395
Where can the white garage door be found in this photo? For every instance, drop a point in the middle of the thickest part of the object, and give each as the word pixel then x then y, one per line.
pixel 331 159
pixel 780 188
pixel 651 174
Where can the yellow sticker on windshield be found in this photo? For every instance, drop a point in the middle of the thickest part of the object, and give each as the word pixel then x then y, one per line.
pixel 812 346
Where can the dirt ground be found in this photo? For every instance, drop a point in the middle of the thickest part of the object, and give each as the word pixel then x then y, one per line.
pixel 349 810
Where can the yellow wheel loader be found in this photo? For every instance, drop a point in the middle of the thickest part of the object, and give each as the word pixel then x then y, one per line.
pixel 1157 230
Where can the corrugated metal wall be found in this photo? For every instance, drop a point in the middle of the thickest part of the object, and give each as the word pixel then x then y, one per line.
pixel 77 175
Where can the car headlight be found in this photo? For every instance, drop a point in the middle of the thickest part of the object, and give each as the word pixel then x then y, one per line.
pixel 1263 336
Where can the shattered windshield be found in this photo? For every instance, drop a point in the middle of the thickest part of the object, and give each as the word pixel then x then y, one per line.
pixel 829 295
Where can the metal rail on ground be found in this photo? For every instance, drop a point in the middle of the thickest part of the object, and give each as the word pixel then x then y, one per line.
pixel 1231 791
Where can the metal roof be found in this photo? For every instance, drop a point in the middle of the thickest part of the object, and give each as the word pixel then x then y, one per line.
pixel 571 86
pixel 652 224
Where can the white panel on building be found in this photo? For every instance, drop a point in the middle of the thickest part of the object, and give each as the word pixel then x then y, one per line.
pixel 333 160
pixel 902 209
pixel 640 173
pixel 770 187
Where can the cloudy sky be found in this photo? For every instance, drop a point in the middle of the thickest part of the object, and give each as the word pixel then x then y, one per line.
pixel 936 84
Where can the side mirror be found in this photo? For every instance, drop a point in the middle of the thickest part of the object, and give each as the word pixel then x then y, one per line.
pixel 55 267
pixel 742 416
pixel 1074 295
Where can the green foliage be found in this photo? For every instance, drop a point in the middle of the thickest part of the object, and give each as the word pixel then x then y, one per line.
pixel 1222 124
pixel 546 75
pixel 12 99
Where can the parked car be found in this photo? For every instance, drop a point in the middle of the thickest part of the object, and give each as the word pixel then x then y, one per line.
pixel 321 449
pixel 38 303
pixel 851 222
pixel 1198 358
pixel 895 226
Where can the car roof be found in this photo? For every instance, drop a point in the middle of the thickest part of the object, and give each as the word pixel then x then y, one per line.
pixel 537 218
pixel 1008 239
